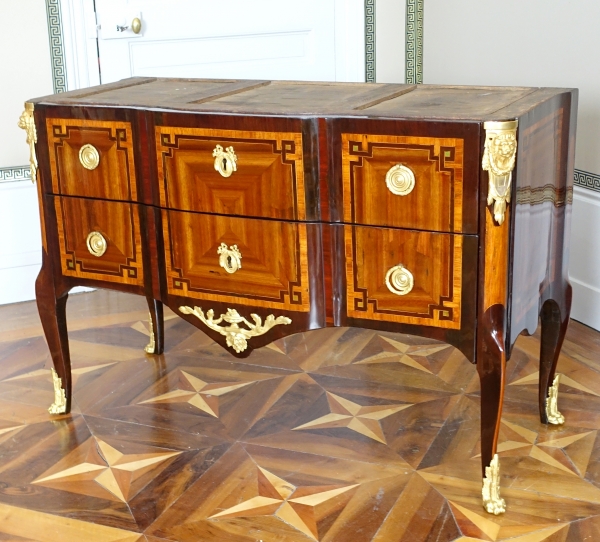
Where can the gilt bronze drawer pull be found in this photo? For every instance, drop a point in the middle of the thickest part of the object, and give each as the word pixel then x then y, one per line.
pixel 225 160
pixel 399 280
pixel 236 336
pixel 96 243
pixel 229 258
pixel 400 180
pixel 89 157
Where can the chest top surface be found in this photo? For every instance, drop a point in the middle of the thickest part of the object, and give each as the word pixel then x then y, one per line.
pixel 293 98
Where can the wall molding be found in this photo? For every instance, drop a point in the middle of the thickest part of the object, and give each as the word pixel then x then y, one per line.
pixel 57 49
pixel 15 174
pixel 414 42
pixel 588 180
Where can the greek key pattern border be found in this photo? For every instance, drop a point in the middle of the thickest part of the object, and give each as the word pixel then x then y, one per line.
pixel 370 41
pixel 588 180
pixel 57 50
pixel 414 42
pixel 13 174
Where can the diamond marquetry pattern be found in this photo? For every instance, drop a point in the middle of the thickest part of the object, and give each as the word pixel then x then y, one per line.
pixel 336 435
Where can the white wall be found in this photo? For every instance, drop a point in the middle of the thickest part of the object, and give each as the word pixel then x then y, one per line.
pixel 25 69
pixel 390 41
pixel 26 73
pixel 532 43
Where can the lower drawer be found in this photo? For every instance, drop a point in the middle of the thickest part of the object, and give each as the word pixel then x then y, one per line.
pixel 99 240
pixel 407 276
pixel 241 261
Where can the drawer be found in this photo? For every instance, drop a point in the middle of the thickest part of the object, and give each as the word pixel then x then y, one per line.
pixel 91 158
pixel 231 172
pixel 403 181
pixel 99 240
pixel 244 261
pixel 407 276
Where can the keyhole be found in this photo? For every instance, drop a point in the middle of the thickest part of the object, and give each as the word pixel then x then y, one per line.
pixel 225 164
pixel 229 262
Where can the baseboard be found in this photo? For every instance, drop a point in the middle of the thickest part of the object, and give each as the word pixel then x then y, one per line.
pixel 22 283
pixel 586 300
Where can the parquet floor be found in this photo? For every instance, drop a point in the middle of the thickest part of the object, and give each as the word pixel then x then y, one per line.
pixel 338 435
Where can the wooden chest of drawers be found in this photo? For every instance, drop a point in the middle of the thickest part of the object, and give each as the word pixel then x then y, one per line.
pixel 257 209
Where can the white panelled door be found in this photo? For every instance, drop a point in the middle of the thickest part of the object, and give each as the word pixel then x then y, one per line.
pixel 321 40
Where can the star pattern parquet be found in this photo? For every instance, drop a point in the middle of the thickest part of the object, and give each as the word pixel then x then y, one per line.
pixel 339 435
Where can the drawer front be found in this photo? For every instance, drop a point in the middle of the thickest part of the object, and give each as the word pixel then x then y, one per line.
pixel 406 276
pixel 99 240
pixel 403 181
pixel 231 172
pixel 265 262
pixel 92 158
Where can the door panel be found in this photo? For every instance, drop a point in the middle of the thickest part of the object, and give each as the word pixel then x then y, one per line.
pixel 261 39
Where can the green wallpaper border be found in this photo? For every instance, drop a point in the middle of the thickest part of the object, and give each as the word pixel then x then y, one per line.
pixel 414 42
pixel 370 68
pixel 587 180
pixel 57 49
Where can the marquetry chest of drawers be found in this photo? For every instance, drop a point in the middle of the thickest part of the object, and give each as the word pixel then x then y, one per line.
pixel 257 209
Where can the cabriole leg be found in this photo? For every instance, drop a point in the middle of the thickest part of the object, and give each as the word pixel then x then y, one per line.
pixel 554 328
pixel 52 311
pixel 491 363
pixel 157 327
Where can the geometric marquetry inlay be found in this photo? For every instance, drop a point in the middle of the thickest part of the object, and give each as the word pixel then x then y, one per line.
pixel 435 166
pixel 197 393
pixel 435 261
pixel 364 420
pixel 268 180
pixel 96 463
pixel 296 506
pixel 117 222
pixel 274 269
pixel 114 175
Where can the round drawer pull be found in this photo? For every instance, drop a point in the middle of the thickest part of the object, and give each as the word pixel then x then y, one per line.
pixel 225 160
pixel 230 258
pixel 399 280
pixel 400 180
pixel 89 156
pixel 96 243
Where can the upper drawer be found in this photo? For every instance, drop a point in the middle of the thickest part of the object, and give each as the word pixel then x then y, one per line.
pixel 92 158
pixel 231 172
pixel 403 181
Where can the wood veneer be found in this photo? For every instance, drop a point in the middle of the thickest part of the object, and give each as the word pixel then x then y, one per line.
pixel 309 206
pixel 436 201
pixel 268 183
pixel 114 178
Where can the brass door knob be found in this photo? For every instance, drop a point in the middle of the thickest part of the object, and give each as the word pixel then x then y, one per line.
pixel 400 180
pixel 89 157
pixel 96 243
pixel 399 280
pixel 136 26
pixel 225 160
pixel 230 258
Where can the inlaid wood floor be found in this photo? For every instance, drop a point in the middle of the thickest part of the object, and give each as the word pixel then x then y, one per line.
pixel 338 435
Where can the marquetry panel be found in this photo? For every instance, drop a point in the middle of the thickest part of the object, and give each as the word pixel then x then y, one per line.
pixel 434 260
pixel 274 262
pixel 119 225
pixel 268 181
pixel 436 199
pixel 113 178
